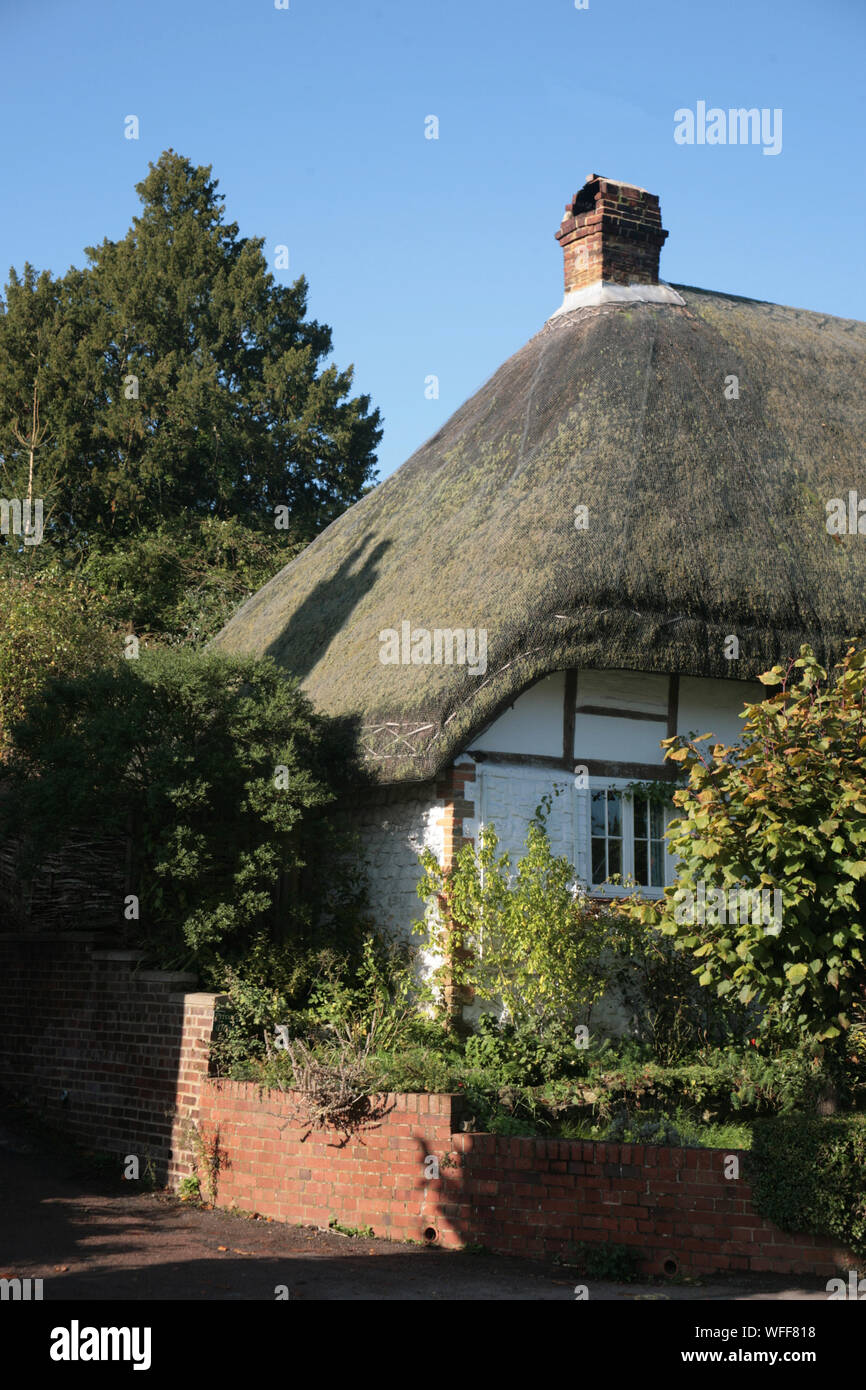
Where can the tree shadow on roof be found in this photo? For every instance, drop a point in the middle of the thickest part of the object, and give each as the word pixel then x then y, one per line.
pixel 326 610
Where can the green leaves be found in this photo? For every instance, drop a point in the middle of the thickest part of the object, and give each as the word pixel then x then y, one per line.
pixel 781 812
pixel 50 626
pixel 535 945
pixel 809 1174
pixel 218 764
pixel 177 380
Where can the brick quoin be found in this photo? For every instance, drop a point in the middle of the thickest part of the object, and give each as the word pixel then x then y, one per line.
pixel 452 788
pixel 131 1050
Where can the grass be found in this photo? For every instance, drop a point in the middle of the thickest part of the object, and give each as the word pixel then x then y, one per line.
pixel 366 1232
pixel 694 1131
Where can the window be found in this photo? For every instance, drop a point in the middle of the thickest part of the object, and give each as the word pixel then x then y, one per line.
pixel 606 835
pixel 627 838
pixel 649 845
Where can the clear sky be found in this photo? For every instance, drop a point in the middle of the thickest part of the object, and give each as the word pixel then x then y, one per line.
pixel 437 257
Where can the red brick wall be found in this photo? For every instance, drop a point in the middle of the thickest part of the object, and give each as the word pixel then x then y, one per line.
pixel 375 1179
pixel 128 1047
pixel 517 1196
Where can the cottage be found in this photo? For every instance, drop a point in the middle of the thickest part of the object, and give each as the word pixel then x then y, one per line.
pixel 633 511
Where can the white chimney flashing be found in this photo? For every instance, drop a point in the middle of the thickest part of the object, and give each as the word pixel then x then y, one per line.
pixel 606 292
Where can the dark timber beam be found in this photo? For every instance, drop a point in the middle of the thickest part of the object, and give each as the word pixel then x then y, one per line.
pixel 569 710
pixel 620 713
pixel 673 704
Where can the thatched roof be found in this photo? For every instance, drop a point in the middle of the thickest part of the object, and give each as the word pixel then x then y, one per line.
pixel 706 517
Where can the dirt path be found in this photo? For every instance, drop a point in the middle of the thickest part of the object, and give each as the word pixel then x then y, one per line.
pixel 88 1239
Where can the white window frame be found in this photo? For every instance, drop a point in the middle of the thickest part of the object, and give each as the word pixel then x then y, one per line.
pixel 619 784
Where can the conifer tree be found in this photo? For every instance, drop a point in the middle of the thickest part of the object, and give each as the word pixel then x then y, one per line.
pixel 178 383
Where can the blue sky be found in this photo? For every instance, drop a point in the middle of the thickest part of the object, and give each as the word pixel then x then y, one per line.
pixel 437 257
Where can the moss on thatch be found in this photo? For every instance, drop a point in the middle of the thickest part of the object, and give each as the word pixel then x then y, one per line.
pixel 706 517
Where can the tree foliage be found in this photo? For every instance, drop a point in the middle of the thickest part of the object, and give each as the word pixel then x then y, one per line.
pixel 177 381
pixel 50 626
pixel 783 809
pixel 179 584
pixel 216 767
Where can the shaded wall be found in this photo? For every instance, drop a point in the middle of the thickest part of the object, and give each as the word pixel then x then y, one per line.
pixel 113 1054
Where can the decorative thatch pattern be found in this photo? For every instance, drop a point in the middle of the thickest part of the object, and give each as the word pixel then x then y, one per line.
pixel 706 517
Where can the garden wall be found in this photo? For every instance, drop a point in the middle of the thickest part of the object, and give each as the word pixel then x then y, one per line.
pixel 118 1056
pixel 517 1196
pixel 112 1054
pixel 393 825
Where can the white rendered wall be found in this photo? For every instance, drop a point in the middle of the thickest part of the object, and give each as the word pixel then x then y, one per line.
pixel 712 706
pixel 532 724
pixel 391 836
pixel 509 792
pixel 507 796
pixel 633 690
pixel 618 740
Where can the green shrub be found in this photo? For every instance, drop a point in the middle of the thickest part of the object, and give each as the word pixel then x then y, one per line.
pixel 368 989
pixel 217 766
pixel 51 625
pixel 808 1174
pixel 668 1009
pixel 416 1069
pixel 602 1260
pixel 182 580
pixel 526 938
pixel 652 1130
pixel 783 810
pixel 519 1054
pixel 723 1083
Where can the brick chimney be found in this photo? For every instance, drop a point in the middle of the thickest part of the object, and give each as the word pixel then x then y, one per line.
pixel 611 232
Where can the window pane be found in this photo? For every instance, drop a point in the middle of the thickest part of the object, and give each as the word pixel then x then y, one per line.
pixel 640 817
pixel 614 813
pixel 657 816
pixel 598 823
pixel 614 857
pixel 658 872
pixel 640 862
pixel 599 870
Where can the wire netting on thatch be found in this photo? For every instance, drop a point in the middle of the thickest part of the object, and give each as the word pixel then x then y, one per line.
pixel 79 887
